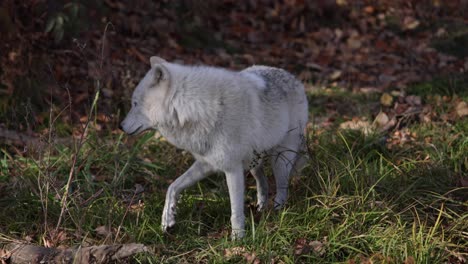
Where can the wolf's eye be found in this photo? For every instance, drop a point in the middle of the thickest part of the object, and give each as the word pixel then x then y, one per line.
pixel 135 104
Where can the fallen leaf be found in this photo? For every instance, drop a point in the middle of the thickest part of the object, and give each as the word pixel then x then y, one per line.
pixel 413 100
pixel 400 108
pixel 12 56
pixel 369 9
pixel 409 260
pixel 365 260
pixel 441 32
pixel 301 246
pixel 314 66
pixel 462 109
pixel 251 257
pixel 369 89
pixel 318 247
pixel 354 42
pixel 386 99
pixel 305 76
pixel 335 75
pixel 341 2
pixel 104 231
pixel 397 93
pixel 338 33
pixel 234 251
pixel 363 126
pixel 410 23
pixel 381 120
pixel 4 256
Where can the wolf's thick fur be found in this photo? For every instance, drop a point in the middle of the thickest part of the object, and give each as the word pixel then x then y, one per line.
pixel 230 122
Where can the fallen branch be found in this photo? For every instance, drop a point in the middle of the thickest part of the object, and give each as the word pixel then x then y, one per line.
pixel 25 253
pixel 21 139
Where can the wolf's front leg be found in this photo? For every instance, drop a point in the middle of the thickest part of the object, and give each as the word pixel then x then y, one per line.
pixel 236 186
pixel 195 173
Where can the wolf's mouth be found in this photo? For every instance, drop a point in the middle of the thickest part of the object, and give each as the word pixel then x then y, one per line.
pixel 136 131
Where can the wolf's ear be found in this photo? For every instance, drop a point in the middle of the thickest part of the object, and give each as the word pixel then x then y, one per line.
pixel 154 60
pixel 161 73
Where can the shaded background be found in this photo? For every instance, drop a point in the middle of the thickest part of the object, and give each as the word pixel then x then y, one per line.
pixel 56 54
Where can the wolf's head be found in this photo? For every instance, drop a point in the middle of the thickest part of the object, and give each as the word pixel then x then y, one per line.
pixel 149 100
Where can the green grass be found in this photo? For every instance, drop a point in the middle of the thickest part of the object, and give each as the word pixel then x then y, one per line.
pixel 361 198
pixel 454 42
pixel 455 84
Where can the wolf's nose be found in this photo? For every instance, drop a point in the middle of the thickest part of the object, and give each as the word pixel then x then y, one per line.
pixel 120 126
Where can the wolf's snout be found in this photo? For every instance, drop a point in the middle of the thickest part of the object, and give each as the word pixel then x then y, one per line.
pixel 120 126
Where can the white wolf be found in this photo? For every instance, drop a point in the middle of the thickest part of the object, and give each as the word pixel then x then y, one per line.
pixel 230 122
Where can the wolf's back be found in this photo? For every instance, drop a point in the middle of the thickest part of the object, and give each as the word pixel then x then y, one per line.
pixel 280 85
pixel 277 79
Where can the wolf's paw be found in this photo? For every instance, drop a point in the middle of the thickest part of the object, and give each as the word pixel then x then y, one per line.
pixel 166 227
pixel 237 234
pixel 262 200
pixel 279 204
pixel 168 219
pixel 238 226
pixel 261 205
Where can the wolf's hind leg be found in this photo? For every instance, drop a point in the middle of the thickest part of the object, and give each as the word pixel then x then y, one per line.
pixel 195 173
pixel 262 186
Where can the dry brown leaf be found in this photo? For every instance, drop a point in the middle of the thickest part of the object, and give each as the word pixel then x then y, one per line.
pixel 368 90
pixel 401 108
pixel 335 75
pixel 381 120
pixel 410 23
pixel 354 42
pixel 234 251
pixel 441 32
pixel 365 260
pixel 4 256
pixel 363 126
pixel 341 2
pixel 397 93
pixel 301 246
pixel 12 56
pixel 409 260
pixel 338 33
pixel 462 109
pixel 413 100
pixel 386 99
pixel 104 231
pixel 47 242
pixel 305 76
pixel 314 66
pixel 250 257
pixel 318 247
pixel 369 9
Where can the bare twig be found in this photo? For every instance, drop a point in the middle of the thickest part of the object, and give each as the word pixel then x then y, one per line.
pixel 82 136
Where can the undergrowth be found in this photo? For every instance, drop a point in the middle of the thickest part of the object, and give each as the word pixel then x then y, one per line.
pixel 361 199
